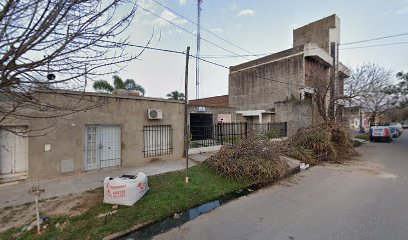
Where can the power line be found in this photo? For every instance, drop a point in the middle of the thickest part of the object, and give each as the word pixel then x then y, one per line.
pixel 374 39
pixel 145 47
pixel 232 56
pixel 206 30
pixel 376 45
pixel 204 60
pixel 266 54
pixel 188 31
pixel 244 72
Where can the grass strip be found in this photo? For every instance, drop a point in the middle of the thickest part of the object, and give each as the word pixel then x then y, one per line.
pixel 363 137
pixel 168 194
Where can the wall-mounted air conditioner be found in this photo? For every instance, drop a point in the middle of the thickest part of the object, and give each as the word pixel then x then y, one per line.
pixel 154 114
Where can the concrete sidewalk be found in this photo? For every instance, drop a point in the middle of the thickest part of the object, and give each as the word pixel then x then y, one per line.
pixel 17 194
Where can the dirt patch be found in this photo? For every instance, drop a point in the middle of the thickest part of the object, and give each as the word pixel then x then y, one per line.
pixel 363 166
pixel 70 205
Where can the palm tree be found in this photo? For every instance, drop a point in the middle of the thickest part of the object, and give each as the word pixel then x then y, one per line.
pixel 118 83
pixel 176 95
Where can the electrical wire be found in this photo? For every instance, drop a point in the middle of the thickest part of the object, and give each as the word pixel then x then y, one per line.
pixel 232 56
pixel 244 72
pixel 241 71
pixel 376 45
pixel 190 32
pixel 210 32
pixel 145 47
pixel 349 48
pixel 375 39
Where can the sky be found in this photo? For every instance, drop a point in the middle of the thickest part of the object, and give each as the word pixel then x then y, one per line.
pixel 257 27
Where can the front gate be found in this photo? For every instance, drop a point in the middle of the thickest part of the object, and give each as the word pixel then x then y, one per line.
pixel 102 147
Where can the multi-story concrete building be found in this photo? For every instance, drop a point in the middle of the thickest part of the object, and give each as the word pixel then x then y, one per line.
pixel 255 87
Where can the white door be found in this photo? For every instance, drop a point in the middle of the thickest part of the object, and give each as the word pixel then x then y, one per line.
pixel 13 151
pixel 109 146
pixel 102 147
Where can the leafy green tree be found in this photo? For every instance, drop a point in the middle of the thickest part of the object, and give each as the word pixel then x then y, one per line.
pixel 399 91
pixel 118 83
pixel 176 95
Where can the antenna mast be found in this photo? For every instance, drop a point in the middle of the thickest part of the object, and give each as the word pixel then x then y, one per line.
pixel 199 2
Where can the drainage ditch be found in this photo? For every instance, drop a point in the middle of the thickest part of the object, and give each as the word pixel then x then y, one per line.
pixel 151 230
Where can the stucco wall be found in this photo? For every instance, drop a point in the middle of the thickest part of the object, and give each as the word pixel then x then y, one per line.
pixel 321 32
pixel 67 134
pixel 297 115
pixel 217 101
pixel 258 87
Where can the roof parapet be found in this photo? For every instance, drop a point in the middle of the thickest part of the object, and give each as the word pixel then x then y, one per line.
pixel 312 50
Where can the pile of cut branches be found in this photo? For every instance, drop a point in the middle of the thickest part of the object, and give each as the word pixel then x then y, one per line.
pixel 321 142
pixel 260 161
pixel 254 159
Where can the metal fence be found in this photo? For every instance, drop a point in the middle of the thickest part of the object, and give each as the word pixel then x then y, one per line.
pixel 232 133
pixel 157 140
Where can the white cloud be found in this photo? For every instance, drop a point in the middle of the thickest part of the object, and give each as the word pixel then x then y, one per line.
pixel 402 10
pixel 169 16
pixel 182 2
pixel 246 13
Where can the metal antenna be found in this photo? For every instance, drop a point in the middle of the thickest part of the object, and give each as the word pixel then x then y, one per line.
pixel 199 2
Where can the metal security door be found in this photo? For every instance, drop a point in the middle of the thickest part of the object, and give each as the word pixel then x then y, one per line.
pixel 13 151
pixel 109 146
pixel 102 147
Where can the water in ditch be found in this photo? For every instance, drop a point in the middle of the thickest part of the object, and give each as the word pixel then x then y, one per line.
pixel 151 230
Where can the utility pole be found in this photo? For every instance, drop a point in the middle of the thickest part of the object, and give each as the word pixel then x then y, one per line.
pixel 331 111
pixel 199 2
pixel 186 132
pixel 338 108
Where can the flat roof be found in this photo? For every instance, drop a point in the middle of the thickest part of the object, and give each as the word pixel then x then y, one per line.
pixel 68 92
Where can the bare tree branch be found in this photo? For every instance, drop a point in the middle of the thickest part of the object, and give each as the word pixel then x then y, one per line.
pixel 70 39
pixel 367 88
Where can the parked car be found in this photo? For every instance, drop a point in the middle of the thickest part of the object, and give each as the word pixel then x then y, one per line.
pixel 405 124
pixel 380 133
pixel 398 126
pixel 394 132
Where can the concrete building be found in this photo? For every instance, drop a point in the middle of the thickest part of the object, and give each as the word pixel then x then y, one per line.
pixel 212 110
pixel 354 117
pixel 257 86
pixel 113 131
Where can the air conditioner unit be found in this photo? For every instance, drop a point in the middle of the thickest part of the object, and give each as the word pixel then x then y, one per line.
pixel 154 113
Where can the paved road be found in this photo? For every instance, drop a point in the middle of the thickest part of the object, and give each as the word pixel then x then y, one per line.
pixel 367 199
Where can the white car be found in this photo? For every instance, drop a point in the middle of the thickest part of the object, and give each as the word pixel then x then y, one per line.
pixel 398 126
pixel 380 133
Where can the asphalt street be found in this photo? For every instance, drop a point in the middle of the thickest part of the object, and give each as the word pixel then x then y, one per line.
pixel 364 199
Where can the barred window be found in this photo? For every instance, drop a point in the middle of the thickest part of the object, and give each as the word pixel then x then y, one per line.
pixel 157 140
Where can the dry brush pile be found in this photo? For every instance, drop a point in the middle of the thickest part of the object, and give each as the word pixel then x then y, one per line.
pixel 260 161
pixel 254 159
pixel 321 142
